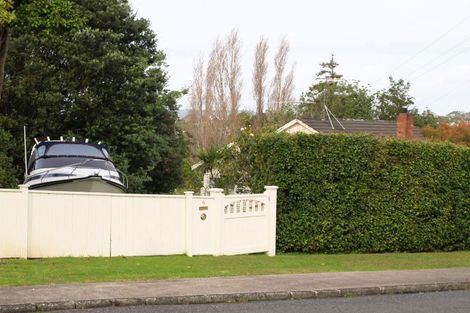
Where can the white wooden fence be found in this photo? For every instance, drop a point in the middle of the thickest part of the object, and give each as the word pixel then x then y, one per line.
pixel 50 224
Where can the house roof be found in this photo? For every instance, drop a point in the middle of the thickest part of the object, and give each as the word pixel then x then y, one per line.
pixel 296 122
pixel 375 127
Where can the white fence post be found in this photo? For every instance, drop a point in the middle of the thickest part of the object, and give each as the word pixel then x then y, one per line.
pixel 271 192
pixel 218 219
pixel 189 222
pixel 25 221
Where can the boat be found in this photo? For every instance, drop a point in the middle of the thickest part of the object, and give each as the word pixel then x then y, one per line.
pixel 73 166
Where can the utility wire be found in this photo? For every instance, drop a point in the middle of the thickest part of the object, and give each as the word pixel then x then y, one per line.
pixel 439 64
pixel 432 43
pixel 437 58
pixel 457 87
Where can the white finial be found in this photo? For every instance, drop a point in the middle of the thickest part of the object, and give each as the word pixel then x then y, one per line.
pixel 48 138
pixel 73 138
pixel 86 140
pixel 61 138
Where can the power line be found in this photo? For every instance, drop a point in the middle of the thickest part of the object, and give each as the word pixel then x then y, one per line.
pixel 438 57
pixel 447 93
pixel 430 44
pixel 425 48
pixel 439 64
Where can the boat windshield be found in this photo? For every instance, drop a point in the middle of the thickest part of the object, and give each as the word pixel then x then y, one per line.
pixel 54 162
pixel 70 149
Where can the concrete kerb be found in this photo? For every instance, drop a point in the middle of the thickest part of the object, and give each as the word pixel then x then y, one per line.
pixel 234 298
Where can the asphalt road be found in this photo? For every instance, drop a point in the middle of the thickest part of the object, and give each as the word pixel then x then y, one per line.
pixel 438 302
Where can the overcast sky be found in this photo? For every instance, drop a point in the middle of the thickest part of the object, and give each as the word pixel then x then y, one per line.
pixel 425 42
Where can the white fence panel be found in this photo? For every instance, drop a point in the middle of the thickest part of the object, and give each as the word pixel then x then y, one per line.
pixel 69 224
pixel 52 224
pixel 13 223
pixel 245 224
pixel 148 225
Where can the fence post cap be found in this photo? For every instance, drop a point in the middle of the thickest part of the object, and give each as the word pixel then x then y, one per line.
pixel 271 187
pixel 189 192
pixel 23 186
pixel 216 190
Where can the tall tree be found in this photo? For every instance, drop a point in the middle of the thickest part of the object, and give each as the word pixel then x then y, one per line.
pixel 94 71
pixel 328 70
pixel 195 120
pixel 7 170
pixel 228 83
pixel 260 71
pixel 282 85
pixel 344 99
pixel 234 81
pixel 8 177
pixel 220 95
pixel 393 100
pixel 7 16
pixel 58 15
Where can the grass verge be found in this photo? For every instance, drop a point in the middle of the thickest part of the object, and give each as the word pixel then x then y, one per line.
pixel 14 272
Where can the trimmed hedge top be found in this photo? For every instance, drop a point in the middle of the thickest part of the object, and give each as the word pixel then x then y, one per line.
pixel 344 193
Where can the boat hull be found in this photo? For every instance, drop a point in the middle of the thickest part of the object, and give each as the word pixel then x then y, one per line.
pixel 86 184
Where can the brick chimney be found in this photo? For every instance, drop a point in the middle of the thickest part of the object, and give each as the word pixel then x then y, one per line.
pixel 405 125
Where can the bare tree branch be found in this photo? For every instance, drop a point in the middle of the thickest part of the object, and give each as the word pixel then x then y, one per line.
pixel 196 113
pixel 287 88
pixel 216 94
pixel 260 70
pixel 233 78
pixel 282 85
pixel 234 82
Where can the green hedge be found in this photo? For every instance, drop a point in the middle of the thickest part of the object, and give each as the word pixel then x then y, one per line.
pixel 344 193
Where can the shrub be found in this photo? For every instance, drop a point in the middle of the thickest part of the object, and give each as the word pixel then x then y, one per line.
pixel 345 193
pixel 458 133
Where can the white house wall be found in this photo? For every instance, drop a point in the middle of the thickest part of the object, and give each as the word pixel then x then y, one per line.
pixel 297 128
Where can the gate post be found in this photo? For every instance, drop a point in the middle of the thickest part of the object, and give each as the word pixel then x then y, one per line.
pixel 271 192
pixel 25 219
pixel 218 219
pixel 189 222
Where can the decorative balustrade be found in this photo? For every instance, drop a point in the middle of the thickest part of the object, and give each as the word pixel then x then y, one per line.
pixel 244 206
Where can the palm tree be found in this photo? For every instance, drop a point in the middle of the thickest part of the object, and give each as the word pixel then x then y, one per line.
pixel 209 158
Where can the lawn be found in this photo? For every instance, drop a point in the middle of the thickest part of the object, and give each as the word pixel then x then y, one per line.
pixel 75 270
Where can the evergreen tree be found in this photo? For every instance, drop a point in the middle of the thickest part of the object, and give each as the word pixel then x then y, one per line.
pixel 7 17
pixel 345 99
pixel 7 173
pixel 91 69
pixel 328 70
